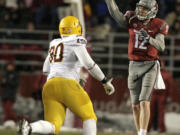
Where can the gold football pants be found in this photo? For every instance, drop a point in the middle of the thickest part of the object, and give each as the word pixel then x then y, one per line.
pixel 59 94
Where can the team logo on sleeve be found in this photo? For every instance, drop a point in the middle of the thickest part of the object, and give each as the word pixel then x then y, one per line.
pixel 81 41
pixel 167 28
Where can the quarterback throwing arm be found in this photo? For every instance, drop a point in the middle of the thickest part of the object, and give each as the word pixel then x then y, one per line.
pixel 156 41
pixel 115 13
pixel 146 39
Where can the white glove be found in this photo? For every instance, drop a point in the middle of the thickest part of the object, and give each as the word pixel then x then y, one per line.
pixel 109 88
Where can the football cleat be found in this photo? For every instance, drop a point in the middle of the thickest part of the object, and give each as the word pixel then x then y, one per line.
pixel 24 127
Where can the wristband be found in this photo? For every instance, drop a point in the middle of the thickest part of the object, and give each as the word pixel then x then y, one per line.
pixel 104 80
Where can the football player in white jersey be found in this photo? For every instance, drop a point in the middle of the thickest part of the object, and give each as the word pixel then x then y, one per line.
pixel 65 58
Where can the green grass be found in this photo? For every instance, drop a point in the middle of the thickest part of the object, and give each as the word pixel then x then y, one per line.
pixel 12 132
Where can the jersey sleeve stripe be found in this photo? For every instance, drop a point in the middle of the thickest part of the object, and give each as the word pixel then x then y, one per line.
pixel 162 26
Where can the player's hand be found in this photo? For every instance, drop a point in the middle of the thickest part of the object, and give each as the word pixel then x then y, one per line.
pixel 82 82
pixel 143 35
pixel 109 88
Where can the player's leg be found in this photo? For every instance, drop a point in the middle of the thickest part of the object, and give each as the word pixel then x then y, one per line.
pixel 152 111
pixel 161 113
pixel 54 117
pixel 41 127
pixel 86 113
pixel 54 111
pixel 148 82
pixel 82 106
pixel 136 115
pixel 89 127
pixel 135 87
pixel 144 116
pixel 8 111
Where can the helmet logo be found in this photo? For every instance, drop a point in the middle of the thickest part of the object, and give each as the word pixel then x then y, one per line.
pixel 69 30
pixel 76 24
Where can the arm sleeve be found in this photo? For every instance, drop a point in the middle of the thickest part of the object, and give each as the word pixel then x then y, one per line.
pixel 46 66
pixel 158 42
pixel 115 13
pixel 88 62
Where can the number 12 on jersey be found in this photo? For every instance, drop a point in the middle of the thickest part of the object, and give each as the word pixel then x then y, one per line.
pixel 142 44
pixel 56 53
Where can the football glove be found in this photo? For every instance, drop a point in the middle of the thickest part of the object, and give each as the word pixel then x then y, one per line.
pixel 82 82
pixel 108 87
pixel 143 35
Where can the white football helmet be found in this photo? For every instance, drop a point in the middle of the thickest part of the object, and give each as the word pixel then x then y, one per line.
pixel 151 5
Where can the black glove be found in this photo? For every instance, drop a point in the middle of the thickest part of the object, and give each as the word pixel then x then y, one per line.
pixel 82 82
pixel 143 35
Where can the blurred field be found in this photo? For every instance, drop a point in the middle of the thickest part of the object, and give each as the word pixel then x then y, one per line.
pixel 12 132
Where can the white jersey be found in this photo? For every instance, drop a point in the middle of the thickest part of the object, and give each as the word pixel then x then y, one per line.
pixel 62 59
pixel 66 57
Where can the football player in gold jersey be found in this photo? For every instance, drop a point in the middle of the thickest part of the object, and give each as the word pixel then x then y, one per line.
pixel 65 58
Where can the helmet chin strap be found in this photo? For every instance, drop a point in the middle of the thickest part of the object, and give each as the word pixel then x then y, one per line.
pixel 145 21
pixel 64 36
pixel 141 18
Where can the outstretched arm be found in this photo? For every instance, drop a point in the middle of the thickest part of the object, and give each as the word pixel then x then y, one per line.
pixel 89 63
pixel 93 68
pixel 115 13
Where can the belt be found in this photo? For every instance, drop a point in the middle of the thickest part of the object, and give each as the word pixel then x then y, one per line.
pixel 145 62
pixel 142 61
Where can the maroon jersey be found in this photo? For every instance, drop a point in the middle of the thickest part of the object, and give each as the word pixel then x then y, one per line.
pixel 141 49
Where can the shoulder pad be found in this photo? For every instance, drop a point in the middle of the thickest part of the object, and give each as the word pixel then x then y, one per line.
pixel 55 41
pixel 163 26
pixel 75 40
pixel 81 41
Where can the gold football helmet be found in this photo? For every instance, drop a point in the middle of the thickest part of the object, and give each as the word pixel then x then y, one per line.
pixel 70 25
